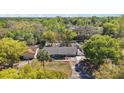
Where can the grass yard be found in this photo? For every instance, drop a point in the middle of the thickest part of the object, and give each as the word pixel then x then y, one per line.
pixel 123 52
pixel 122 60
pixel 59 66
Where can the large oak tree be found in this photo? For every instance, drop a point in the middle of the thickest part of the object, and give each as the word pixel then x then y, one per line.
pixel 11 50
pixel 99 48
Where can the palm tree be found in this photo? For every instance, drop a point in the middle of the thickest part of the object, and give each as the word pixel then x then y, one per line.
pixel 43 56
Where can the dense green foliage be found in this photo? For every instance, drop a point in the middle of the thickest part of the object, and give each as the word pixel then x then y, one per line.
pixel 31 29
pixel 24 31
pixel 110 29
pixel 99 48
pixel 50 36
pixel 31 71
pixel 43 56
pixel 68 36
pixel 11 50
pixel 121 26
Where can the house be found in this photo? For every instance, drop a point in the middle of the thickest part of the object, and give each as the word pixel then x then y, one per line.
pixel 31 53
pixel 62 52
pixel 84 32
pixel 83 28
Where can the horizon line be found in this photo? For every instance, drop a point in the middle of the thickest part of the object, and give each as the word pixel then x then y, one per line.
pixel 60 15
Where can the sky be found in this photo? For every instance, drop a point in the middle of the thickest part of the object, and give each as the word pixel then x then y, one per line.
pixel 54 15
pixel 61 7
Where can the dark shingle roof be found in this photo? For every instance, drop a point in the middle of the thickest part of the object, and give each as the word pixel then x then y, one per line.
pixel 67 51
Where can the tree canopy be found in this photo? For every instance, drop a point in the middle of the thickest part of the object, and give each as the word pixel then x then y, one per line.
pixel 11 50
pixel 43 56
pixel 99 48
pixel 110 29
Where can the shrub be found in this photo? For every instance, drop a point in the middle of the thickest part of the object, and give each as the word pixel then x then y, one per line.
pixel 9 74
pixel 110 71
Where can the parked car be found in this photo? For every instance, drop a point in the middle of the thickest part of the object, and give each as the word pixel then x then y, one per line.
pixel 86 76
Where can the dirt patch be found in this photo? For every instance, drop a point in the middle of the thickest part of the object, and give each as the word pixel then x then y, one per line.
pixel 59 66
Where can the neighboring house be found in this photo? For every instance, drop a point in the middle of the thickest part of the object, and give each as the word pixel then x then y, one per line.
pixel 31 53
pixel 83 28
pixel 84 32
pixel 86 29
pixel 62 52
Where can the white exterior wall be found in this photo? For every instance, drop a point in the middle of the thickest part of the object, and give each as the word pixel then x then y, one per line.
pixel 78 58
pixel 37 50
